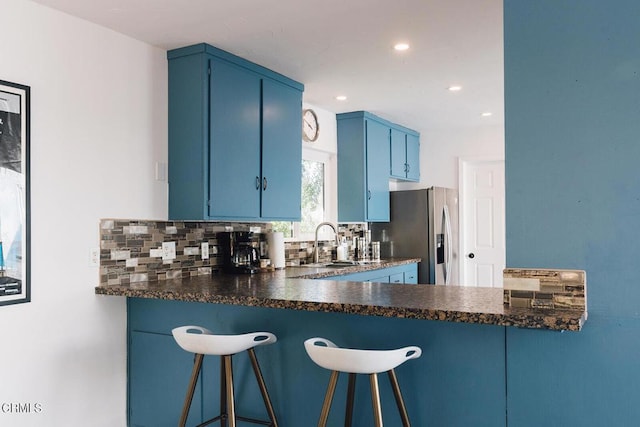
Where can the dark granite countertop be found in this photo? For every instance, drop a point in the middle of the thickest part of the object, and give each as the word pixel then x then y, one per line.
pixel 295 288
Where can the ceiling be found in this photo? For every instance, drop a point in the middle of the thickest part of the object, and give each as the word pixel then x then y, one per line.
pixel 342 47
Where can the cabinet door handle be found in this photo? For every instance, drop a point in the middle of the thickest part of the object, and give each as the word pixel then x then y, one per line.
pixel 264 183
pixel 257 182
pixel 369 194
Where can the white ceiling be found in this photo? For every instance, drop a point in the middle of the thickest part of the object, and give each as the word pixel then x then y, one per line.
pixel 340 47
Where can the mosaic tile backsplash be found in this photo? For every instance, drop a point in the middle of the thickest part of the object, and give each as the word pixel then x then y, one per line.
pixel 545 288
pixel 131 250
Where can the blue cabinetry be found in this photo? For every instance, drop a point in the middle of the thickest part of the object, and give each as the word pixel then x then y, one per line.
pixel 405 154
pixel 281 151
pixel 363 164
pixel 234 149
pixel 234 138
pixel 458 382
pixel 400 274
pixel 370 151
pixel 159 372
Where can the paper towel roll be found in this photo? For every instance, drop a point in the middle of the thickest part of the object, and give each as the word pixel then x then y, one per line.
pixel 275 241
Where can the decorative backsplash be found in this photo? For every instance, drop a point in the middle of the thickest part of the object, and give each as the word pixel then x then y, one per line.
pixel 297 253
pixel 545 288
pixel 131 250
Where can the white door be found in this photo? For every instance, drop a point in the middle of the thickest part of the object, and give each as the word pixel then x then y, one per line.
pixel 482 221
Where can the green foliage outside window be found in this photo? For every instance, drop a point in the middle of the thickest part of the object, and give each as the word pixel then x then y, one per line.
pixel 312 201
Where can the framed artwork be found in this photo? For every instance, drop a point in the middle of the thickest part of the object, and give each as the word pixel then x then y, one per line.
pixel 15 266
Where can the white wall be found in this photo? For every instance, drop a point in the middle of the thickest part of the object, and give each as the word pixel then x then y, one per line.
pixel 440 150
pixel 325 149
pixel 98 126
pixel 328 136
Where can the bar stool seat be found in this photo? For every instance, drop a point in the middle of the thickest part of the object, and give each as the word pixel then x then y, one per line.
pixel 201 341
pixel 355 361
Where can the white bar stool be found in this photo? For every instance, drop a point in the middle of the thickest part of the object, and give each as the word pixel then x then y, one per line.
pixel 353 361
pixel 201 341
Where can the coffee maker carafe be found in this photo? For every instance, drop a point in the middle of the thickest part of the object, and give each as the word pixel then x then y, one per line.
pixel 238 252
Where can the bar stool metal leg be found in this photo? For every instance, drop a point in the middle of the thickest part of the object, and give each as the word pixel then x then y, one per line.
pixel 197 365
pixel 326 406
pixel 201 341
pixel 399 400
pixel 263 387
pixel 351 389
pixel 223 393
pixel 231 410
pixel 375 400
pixel 349 360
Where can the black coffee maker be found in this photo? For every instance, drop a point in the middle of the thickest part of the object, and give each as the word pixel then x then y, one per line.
pixel 238 253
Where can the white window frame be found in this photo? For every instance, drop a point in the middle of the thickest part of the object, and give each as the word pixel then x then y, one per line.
pixel 330 194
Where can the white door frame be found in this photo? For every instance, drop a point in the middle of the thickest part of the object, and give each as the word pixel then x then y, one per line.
pixel 463 164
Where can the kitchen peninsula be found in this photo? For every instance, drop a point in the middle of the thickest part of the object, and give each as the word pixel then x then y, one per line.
pixel 299 303
pixel 460 329
pixel 298 288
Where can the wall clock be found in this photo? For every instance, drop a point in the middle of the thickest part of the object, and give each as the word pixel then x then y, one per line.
pixel 310 126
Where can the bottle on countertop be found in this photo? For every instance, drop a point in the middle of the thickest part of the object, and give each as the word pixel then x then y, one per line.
pixel 342 250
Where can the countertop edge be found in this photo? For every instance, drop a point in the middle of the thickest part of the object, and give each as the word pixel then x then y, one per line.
pixel 569 320
pixel 320 273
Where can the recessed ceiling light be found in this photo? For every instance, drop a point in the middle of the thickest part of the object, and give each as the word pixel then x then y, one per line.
pixel 487 114
pixel 341 98
pixel 455 88
pixel 401 46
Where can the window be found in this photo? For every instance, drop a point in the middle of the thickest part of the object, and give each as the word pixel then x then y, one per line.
pixel 318 193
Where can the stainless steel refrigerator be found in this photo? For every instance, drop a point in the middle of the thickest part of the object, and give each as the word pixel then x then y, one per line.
pixel 424 224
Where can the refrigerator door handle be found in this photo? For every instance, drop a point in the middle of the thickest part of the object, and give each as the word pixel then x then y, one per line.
pixel 449 247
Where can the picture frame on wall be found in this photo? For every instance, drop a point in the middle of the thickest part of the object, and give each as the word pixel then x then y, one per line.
pixel 15 247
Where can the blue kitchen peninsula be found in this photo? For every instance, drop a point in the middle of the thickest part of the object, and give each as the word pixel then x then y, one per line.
pixel 463 344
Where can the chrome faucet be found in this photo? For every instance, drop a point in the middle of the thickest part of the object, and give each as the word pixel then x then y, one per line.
pixel 316 254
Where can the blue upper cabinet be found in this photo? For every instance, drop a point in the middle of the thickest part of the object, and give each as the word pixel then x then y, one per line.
pixel 405 154
pixel 370 151
pixel 413 157
pixel 234 151
pixel 398 154
pixel 234 138
pixel 281 160
pixel 363 168
pixel 377 165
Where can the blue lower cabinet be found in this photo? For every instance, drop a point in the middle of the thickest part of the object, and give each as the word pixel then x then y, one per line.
pixel 400 274
pixel 396 278
pixel 411 275
pixel 458 382
pixel 159 372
